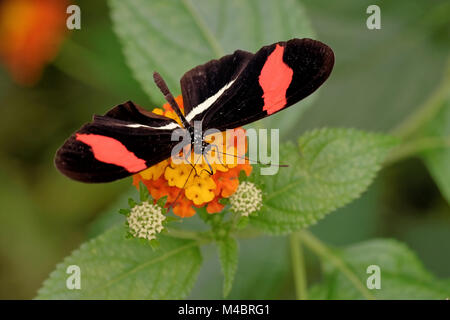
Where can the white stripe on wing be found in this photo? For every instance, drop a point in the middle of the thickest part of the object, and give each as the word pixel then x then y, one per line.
pixel 202 107
pixel 169 126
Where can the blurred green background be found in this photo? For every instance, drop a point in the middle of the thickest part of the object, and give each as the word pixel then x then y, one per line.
pixel 380 78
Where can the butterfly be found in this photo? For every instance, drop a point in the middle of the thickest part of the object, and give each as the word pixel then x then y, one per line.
pixel 222 94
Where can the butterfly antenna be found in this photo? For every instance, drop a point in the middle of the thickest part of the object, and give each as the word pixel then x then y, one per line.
pixel 252 161
pixel 169 97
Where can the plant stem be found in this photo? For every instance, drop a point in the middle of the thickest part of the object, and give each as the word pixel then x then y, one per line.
pixel 428 110
pixel 298 267
pixel 415 147
pixel 248 233
pixel 185 234
pixel 324 253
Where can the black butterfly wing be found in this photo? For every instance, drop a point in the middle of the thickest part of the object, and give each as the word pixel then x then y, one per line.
pixel 226 93
pixel 204 81
pixel 116 145
pixel 274 78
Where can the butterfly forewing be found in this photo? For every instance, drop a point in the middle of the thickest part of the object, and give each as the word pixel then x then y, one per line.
pixel 274 78
pixel 108 148
pixel 201 84
pixel 133 113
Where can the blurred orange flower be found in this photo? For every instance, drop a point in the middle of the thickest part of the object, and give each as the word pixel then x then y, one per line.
pixel 187 188
pixel 31 32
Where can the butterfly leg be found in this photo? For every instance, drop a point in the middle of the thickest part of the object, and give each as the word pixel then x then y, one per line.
pixel 211 172
pixel 187 160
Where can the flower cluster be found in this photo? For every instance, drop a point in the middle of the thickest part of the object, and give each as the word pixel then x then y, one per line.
pixel 145 220
pixel 186 185
pixel 247 199
pixel 31 32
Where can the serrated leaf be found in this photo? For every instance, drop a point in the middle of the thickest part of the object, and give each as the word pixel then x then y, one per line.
pixel 124 211
pixel 143 192
pixel 173 36
pixel 116 268
pixel 328 169
pixel 402 275
pixel 388 90
pixel 162 201
pixel 264 258
pixel 437 160
pixel 131 203
pixel 228 256
pixel 242 223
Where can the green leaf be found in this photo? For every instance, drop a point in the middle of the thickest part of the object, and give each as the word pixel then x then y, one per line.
pixel 242 222
pixel 131 203
pixel 228 256
pixel 265 257
pixel 437 160
pixel 328 169
pixel 124 211
pixel 173 36
pixel 116 268
pixel 143 192
pixel 385 84
pixel 161 201
pixel 401 272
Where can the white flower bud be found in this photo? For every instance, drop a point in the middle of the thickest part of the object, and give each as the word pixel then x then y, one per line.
pixel 145 220
pixel 247 199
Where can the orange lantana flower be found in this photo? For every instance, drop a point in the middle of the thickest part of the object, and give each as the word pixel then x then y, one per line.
pixel 187 187
pixel 31 32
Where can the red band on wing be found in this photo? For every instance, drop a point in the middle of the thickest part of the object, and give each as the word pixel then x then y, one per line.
pixel 110 150
pixel 275 78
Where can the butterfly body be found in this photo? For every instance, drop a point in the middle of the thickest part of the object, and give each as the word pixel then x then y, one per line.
pixel 222 94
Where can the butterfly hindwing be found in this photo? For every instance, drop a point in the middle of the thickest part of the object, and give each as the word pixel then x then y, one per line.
pixel 108 148
pixel 274 78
